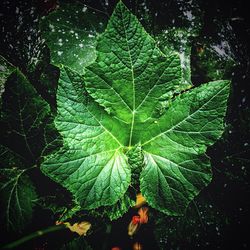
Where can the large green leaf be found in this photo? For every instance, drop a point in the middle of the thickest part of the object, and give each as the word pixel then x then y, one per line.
pixel 18 197
pixel 71 32
pixel 127 115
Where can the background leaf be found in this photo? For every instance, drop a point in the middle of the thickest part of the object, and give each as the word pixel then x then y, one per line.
pixel 70 32
pixel 18 197
pixel 26 120
pixel 27 134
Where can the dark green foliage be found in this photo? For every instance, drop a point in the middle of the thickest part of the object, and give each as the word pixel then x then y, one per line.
pixel 18 197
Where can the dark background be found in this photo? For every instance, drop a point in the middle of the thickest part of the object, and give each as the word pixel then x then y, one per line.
pixel 225 203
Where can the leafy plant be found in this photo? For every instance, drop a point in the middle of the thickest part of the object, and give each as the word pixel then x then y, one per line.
pixel 72 38
pixel 132 96
pixel 126 120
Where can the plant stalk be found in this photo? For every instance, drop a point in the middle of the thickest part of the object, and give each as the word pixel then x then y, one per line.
pixel 33 235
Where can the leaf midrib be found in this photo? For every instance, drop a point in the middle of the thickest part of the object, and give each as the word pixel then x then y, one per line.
pixel 133 82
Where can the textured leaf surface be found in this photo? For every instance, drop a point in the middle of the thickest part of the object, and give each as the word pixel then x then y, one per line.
pixel 91 164
pixel 71 32
pixel 134 119
pixel 175 162
pixel 119 208
pixel 17 198
pixel 26 121
pixel 131 78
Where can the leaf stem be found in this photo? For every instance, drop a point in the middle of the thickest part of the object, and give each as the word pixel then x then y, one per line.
pixel 33 235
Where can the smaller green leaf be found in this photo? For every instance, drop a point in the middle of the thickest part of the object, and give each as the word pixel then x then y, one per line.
pixel 70 32
pixel 18 197
pixel 26 121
